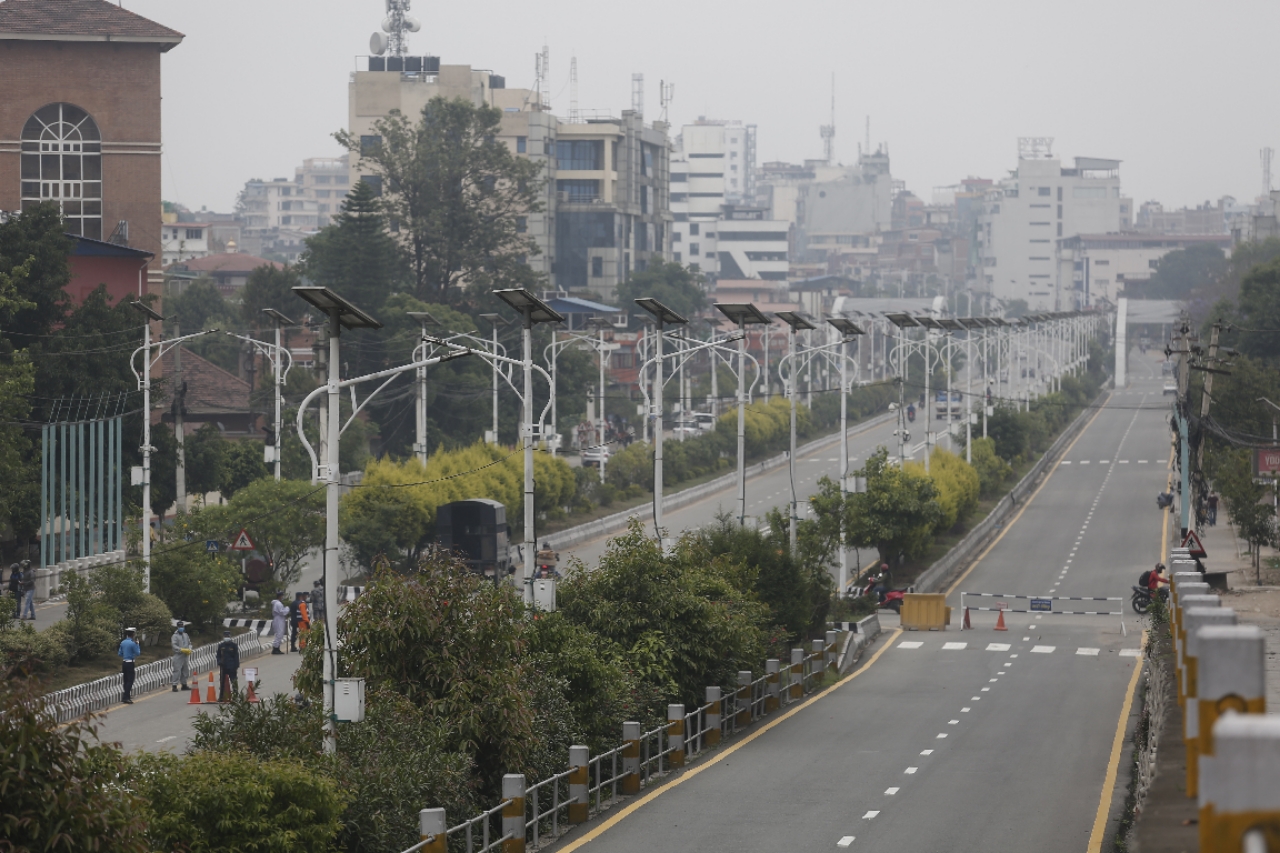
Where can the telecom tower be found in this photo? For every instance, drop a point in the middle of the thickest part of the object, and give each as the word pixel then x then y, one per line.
pixel 396 26
pixel 637 94
pixel 1267 154
pixel 828 131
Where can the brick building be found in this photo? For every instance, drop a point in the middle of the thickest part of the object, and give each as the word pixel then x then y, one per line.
pixel 80 118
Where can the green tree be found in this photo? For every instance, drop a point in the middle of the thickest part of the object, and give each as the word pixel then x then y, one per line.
pixel 284 519
pixel 897 513
pixel 206 455
pixel 678 287
pixel 59 783
pixel 455 191
pixel 242 467
pixel 197 306
pixel 355 256
pixel 36 240
pixel 1259 310
pixel 194 585
pixel 1183 272
pixel 270 286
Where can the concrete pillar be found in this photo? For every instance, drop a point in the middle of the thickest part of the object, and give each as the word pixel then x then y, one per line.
pixel 631 758
pixel 513 791
pixel 797 674
pixel 832 657
pixel 819 659
pixel 1195 619
pixel 675 736
pixel 579 784
pixel 742 703
pixel 432 825
pixel 714 710
pixel 1186 601
pixel 1240 791
pixel 772 685
pixel 1231 676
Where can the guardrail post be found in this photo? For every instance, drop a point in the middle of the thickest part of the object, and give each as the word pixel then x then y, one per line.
pixel 1231 677
pixel 1181 583
pixel 1185 603
pixel 675 736
pixel 1196 618
pixel 742 700
pixel 432 824
pixel 832 657
pixel 513 791
pixel 631 758
pixel 1240 797
pixel 579 759
pixel 819 661
pixel 773 685
pixel 796 690
pixel 714 709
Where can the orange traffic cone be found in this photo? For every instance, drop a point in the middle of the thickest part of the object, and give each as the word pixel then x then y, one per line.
pixel 211 695
pixel 195 691
pixel 253 697
pixel 1000 622
pixel 966 626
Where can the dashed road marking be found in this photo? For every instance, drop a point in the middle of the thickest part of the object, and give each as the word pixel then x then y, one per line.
pixel 870 815
pixel 890 791
pixel 1042 650
pixel 964 710
pixel 953 722
pixel 927 752
pixel 165 739
pixel 910 644
pixel 941 735
pixel 1090 652
pixel 998 647
pixel 986 689
pixel 953 647
pixel 845 842
pixel 1131 653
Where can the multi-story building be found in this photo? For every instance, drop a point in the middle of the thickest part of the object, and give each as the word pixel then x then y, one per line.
pixel 80 124
pixel 183 241
pixel 1103 267
pixel 1204 218
pixel 1040 203
pixel 325 180
pixel 606 206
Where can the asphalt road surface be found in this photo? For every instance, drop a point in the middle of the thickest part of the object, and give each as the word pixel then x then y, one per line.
pixel 973 740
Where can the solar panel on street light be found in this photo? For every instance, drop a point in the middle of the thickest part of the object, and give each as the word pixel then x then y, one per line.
pixel 742 313
pixel 660 312
pixel 900 319
pixel 797 321
pixel 529 305
pixel 348 315
pixel 845 326
pixel 148 310
pixel 279 318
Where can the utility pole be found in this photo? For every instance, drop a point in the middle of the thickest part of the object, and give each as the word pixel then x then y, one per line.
pixel 179 432
pixel 1184 455
pixel 1207 396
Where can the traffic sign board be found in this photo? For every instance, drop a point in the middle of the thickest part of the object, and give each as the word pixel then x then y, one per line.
pixel 1042 605
pixel 1192 543
pixel 211 546
pixel 242 542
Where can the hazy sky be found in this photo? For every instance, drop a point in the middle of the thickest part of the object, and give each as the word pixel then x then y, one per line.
pixel 1182 91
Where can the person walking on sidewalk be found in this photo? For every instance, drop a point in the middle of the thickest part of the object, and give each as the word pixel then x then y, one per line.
pixel 129 652
pixel 1213 509
pixel 279 613
pixel 295 616
pixel 28 591
pixel 317 601
pixel 15 588
pixel 181 644
pixel 228 657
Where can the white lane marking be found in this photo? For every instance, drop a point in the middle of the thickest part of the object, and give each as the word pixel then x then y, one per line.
pixel 1091 652
pixel 1142 462
pixel 1042 650
pixel 1014 655
pixel 993 680
pixel 1124 461
pixel 1131 653
pixel 941 735
pixel 964 710
pixel 976 699
pixel 911 770
pixel 997 647
pixel 845 842
pixel 890 791
pixel 985 690
pixel 1105 462
pixel 953 647
pixel 1039 615
pixel 870 815
pixel 953 722
pixel 1066 462
pixel 169 738
pixel 927 752
pixel 910 644
pixel 1084 461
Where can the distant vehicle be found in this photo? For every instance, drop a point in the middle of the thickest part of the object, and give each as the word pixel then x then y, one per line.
pixel 685 429
pixel 595 455
pixel 705 421
pixel 940 405
pixel 1166 368
pixel 1170 387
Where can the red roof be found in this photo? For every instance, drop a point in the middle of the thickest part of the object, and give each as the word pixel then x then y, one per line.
pixel 224 262
pixel 80 20
pixel 210 389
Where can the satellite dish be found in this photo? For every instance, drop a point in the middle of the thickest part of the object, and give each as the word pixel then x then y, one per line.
pixel 378 44
pixel 388 25
pixel 412 24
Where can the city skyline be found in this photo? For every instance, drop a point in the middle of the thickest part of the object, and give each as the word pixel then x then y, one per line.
pixel 950 102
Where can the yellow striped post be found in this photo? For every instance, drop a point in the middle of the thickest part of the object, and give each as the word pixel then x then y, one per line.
pixel 431 829
pixel 1195 619
pixel 797 674
pixel 1240 794
pixel 1181 583
pixel 714 710
pixel 1186 601
pixel 513 791
pixel 675 736
pixel 1231 677
pixel 742 701
pixel 579 784
pixel 832 658
pixel 773 685
pixel 630 758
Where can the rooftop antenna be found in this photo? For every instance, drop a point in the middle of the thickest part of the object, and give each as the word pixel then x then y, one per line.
pixel 828 131
pixel 868 136
pixel 637 94
pixel 544 76
pixel 666 93
pixel 395 29
pixel 575 117
pixel 1267 154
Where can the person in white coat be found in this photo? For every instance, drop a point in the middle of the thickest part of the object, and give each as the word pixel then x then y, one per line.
pixel 181 645
pixel 279 622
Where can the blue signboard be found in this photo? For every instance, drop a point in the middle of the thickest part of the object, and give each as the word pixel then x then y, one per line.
pixel 1043 605
pixel 211 546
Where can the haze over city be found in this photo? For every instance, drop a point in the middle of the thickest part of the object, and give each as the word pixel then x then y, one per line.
pixel 1172 89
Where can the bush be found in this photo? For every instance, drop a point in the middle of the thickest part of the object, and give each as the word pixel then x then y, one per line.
pixel 231 802
pixel 195 586
pixel 26 650
pixel 992 470
pixel 956 486
pixel 58 783
pixel 92 624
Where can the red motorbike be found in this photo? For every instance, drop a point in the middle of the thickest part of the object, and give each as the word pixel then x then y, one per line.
pixel 890 599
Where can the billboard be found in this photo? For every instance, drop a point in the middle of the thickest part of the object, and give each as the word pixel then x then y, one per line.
pixel 1266 461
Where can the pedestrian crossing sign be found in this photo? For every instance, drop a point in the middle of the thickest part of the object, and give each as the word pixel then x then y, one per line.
pixel 211 546
pixel 242 542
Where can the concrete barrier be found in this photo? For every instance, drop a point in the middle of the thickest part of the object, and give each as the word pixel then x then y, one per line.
pixel 513 791
pixel 1196 618
pixel 675 736
pixel 579 783
pixel 715 706
pixel 432 826
pixel 924 611
pixel 1240 795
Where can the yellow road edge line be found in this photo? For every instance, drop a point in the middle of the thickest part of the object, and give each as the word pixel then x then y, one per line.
pixel 1113 764
pixel 1026 503
pixel 630 809
pixel 1117 744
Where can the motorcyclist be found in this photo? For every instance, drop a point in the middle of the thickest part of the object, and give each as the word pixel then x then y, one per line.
pixel 1155 578
pixel 881 579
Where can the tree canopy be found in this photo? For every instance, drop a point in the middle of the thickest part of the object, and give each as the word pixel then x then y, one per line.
pixel 675 286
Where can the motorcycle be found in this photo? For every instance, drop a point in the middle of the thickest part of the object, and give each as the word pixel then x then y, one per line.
pixel 890 599
pixel 911 414
pixel 1141 598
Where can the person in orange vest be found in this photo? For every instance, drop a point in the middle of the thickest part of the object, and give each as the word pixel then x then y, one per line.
pixel 304 620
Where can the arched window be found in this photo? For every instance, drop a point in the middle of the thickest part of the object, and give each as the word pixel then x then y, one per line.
pixel 62 162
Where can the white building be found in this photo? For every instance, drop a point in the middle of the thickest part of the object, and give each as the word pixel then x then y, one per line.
pixel 1103 267
pixel 184 241
pixel 326 180
pixel 1026 214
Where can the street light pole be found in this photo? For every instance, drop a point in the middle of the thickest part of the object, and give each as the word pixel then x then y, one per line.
pixel 662 317
pixel 420 398
pixel 497 321
pixel 281 372
pixel 151 315
pixel 795 323
pixel 847 329
pixel 743 314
